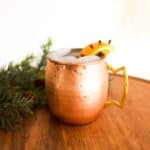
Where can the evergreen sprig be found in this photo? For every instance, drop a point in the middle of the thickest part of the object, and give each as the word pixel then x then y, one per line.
pixel 11 109
pixel 22 88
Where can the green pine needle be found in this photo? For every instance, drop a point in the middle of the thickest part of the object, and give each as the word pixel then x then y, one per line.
pixel 15 81
pixel 11 108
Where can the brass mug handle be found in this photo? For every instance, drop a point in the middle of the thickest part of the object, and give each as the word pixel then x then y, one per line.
pixel 125 87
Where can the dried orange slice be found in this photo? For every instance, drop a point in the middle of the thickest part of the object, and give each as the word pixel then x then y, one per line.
pixel 96 48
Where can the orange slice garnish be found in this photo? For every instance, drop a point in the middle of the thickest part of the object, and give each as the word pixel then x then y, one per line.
pixel 96 48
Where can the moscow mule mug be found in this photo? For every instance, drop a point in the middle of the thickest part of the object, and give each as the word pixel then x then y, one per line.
pixel 77 93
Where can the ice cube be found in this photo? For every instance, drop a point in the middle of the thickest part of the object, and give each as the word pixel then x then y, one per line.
pixel 59 56
pixel 62 51
pixel 54 56
pixel 65 55
pixel 86 59
pixel 71 59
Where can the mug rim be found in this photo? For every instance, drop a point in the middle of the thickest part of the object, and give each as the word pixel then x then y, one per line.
pixel 78 63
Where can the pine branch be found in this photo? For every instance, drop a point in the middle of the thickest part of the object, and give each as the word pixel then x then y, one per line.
pixel 22 87
pixel 45 49
pixel 11 108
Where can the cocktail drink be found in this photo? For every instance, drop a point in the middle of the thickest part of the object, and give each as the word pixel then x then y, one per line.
pixel 77 86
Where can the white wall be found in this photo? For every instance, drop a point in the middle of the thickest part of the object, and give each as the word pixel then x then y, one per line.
pixel 25 24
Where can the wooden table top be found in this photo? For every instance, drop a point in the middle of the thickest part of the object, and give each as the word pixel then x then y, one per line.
pixel 115 129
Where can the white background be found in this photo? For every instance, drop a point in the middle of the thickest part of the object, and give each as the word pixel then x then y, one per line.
pixel 26 24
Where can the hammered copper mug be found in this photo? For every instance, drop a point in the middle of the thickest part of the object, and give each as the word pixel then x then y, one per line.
pixel 77 93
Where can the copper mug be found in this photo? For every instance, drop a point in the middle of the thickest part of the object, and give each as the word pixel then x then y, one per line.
pixel 77 93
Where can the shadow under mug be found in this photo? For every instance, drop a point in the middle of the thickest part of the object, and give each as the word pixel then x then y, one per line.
pixel 77 93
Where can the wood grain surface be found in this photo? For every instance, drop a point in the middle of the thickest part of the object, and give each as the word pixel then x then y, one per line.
pixel 115 129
